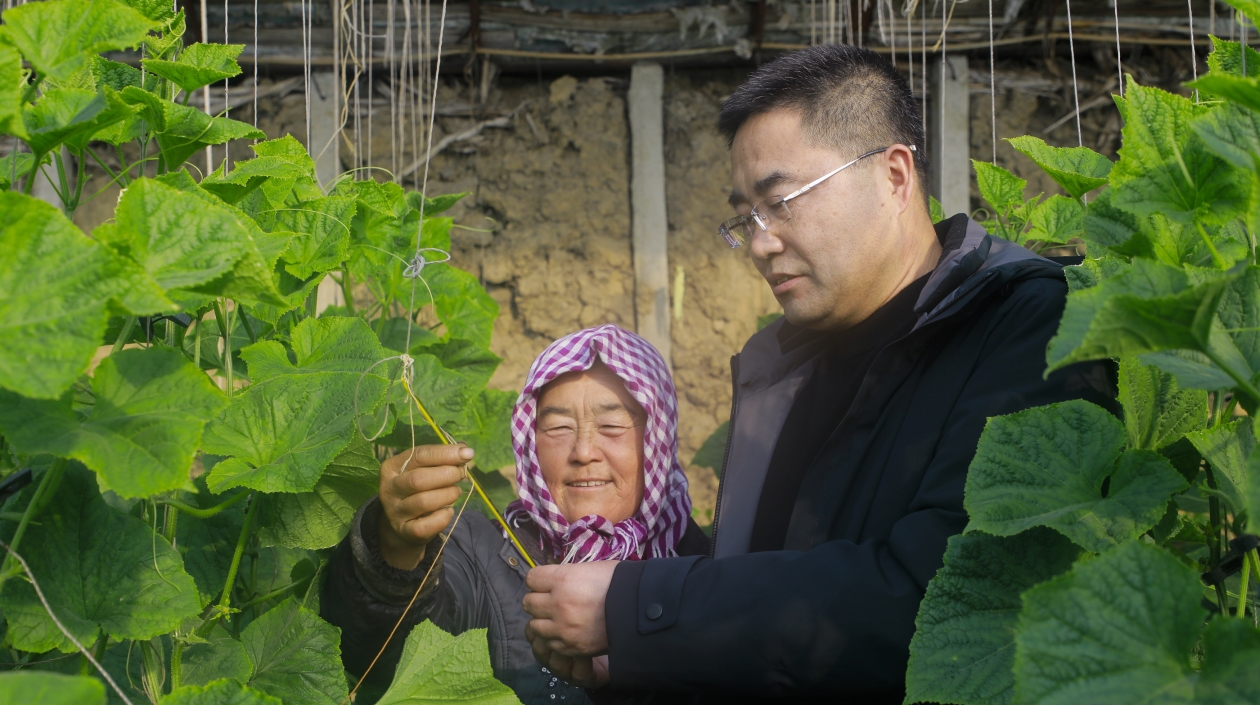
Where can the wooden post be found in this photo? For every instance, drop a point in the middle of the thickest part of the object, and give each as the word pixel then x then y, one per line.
pixel 324 148
pixel 950 118
pixel 649 228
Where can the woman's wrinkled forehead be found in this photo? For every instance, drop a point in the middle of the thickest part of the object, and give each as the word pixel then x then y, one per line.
pixel 596 389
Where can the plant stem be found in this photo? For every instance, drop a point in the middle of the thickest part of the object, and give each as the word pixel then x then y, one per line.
pixel 1243 586
pixel 177 663
pixel 1214 538
pixel 202 513
pixel 128 326
pixel 346 286
pixel 29 94
pixel 30 177
pixel 225 329
pixel 225 600
pixel 47 485
pixel 274 593
pixel 197 343
pixel 169 523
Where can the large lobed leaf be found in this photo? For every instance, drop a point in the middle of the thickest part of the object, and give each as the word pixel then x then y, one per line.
pixel 71 116
pixel 295 419
pixel 55 287
pixel 321 518
pixel 296 656
pixel 199 65
pixel 12 86
pixel 1164 166
pixel 1046 466
pixel 1078 170
pixel 1230 450
pixel 58 36
pixel 1156 412
pixel 963 649
pixel 142 430
pixel 438 667
pixel 101 571
pixel 1119 629
pixel 182 130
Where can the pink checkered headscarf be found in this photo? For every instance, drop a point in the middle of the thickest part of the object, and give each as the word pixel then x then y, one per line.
pixel 661 519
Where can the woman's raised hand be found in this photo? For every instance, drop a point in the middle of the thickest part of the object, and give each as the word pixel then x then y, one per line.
pixel 417 490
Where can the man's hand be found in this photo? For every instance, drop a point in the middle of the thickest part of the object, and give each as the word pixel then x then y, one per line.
pixel 567 631
pixel 417 490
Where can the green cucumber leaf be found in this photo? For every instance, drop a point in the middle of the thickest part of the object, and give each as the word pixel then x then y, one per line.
pixel 58 37
pixel 1231 650
pixel 712 452
pixel 1156 412
pixel 14 167
pixel 296 656
pixel 1078 170
pixel 198 65
pixel 1046 466
pixel 1148 308
pixel 101 571
pixel 322 240
pixel 321 518
pixel 1056 221
pixel 1227 59
pixel 195 247
pixel 184 130
pixel 142 431
pixel 12 86
pixel 1193 370
pixel 488 428
pixel 437 204
pixel 1244 92
pixel 220 656
pixel 249 175
pixel 999 187
pixel 283 433
pixel 1116 629
pixel 55 287
pixel 1233 133
pixel 43 688
pixel 289 149
pixel 446 394
pixel 1109 229
pixel 1166 168
pixel 474 362
pixel 462 304
pixel 438 667
pixel 71 116
pixel 219 692
pixel 1229 449
pixel 964 640
pixel 296 418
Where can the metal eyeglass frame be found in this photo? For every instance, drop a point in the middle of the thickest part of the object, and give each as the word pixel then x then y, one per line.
pixel 727 229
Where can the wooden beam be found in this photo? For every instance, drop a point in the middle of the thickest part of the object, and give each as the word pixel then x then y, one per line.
pixel 649 227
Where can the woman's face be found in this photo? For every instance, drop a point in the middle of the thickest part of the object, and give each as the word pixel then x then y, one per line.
pixel 589 436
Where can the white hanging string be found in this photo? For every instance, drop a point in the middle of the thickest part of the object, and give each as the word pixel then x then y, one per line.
pixel 1115 6
pixel 992 84
pixel 205 92
pixel 1194 50
pixel 923 45
pixel 227 106
pixel 1076 96
pixel 813 26
pixel 255 63
pixel 306 74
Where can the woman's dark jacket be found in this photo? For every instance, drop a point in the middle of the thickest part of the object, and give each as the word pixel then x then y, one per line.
pixel 830 616
pixel 478 584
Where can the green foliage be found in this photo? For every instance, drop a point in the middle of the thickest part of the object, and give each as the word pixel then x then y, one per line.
pixel 140 430
pixel 438 667
pixel 964 645
pixel 41 688
pixel 102 572
pixel 1047 466
pixel 1171 290
pixel 193 473
pixel 199 65
pixel 713 451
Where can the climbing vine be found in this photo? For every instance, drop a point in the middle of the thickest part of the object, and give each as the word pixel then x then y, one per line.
pixel 1113 560
pixel 184 433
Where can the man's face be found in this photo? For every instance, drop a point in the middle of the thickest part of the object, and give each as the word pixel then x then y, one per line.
pixel 836 260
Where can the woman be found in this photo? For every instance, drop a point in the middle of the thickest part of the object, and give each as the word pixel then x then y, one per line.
pixel 595 438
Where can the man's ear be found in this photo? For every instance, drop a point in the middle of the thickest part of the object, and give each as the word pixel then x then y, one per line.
pixel 902 177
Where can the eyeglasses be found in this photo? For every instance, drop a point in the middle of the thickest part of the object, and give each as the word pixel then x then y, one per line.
pixel 774 210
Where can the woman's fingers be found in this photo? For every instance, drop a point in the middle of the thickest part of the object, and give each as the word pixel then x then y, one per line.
pixel 424 528
pixel 423 503
pixel 427 456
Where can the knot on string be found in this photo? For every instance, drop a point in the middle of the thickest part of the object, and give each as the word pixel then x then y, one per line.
pixel 417 264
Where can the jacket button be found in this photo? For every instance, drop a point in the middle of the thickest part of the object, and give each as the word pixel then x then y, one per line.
pixel 654 610
pixel 512 561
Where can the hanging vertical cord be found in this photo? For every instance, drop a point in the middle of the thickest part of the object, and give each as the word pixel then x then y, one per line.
pixel 923 63
pixel 306 74
pixel 1115 6
pixel 1076 97
pixel 369 35
pixel 226 94
pixel 255 64
pixel 205 92
pixel 909 41
pixel 944 67
pixel 393 88
pixel 992 84
pixel 1242 34
pixel 813 26
pixel 1194 50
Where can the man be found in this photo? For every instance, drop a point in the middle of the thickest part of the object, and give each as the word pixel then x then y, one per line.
pixel 854 417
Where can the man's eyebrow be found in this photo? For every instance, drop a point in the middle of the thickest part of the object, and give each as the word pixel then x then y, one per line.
pixel 760 188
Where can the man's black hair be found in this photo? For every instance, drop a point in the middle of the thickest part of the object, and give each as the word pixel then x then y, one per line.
pixel 849 98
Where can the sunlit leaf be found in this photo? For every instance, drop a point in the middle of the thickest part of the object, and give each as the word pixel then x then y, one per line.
pixel 1078 170
pixel 1156 412
pixel 71 116
pixel 438 667
pixel 198 65
pixel 219 692
pixel 321 518
pixel 58 36
pixel 1056 221
pixel 43 688
pixel 296 656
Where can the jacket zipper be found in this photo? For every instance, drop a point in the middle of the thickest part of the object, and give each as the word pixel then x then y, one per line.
pixel 726 455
